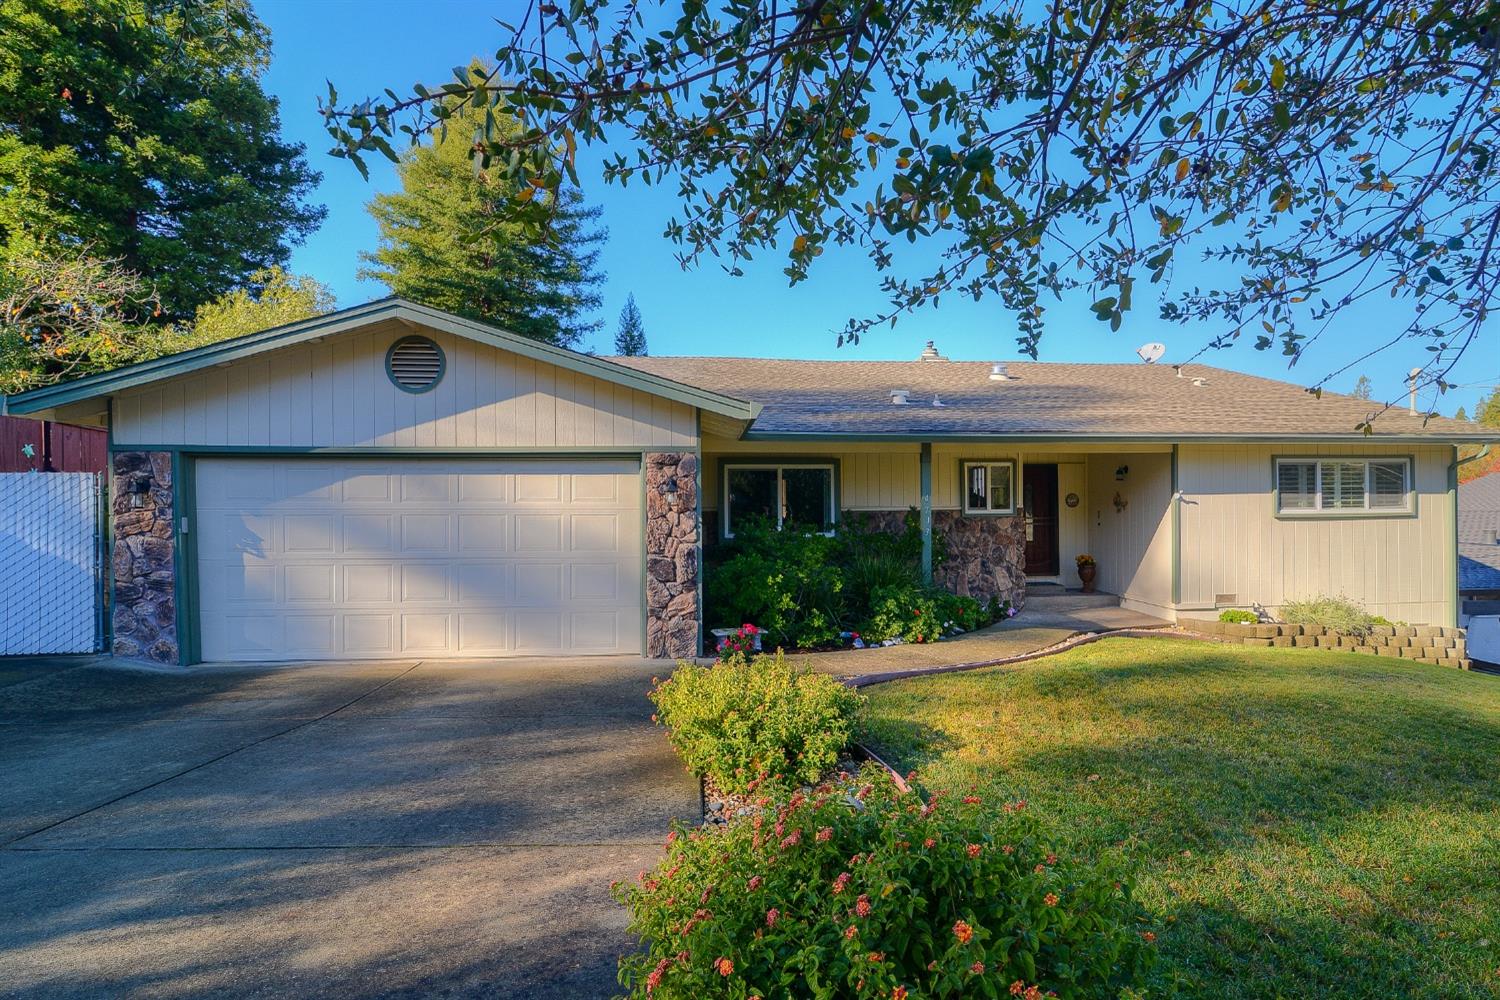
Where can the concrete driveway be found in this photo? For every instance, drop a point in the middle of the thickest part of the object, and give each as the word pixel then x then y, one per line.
pixel 348 830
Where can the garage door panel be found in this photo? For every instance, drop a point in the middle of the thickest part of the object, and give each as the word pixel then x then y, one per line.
pixel 355 558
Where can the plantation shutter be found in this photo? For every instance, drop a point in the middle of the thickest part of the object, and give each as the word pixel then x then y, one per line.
pixel 1343 485
pixel 1296 483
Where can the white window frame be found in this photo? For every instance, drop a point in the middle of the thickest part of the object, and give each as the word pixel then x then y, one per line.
pixel 1407 509
pixel 780 469
pixel 963 485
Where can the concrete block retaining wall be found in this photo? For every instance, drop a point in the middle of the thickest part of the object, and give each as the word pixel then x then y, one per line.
pixel 1435 644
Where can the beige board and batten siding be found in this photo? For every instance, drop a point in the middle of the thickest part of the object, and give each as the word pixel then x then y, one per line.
pixel 336 394
pixel 871 476
pixel 1234 544
pixel 1132 544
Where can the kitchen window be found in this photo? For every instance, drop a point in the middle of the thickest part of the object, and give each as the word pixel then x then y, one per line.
pixel 1334 486
pixel 796 494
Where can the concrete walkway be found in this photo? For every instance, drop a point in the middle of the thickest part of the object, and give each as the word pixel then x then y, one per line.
pixel 1050 616
pixel 336 830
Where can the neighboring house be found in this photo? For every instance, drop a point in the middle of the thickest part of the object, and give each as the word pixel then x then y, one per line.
pixel 393 481
pixel 53 447
pixel 1479 565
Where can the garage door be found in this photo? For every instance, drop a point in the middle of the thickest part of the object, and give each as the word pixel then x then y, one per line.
pixel 302 559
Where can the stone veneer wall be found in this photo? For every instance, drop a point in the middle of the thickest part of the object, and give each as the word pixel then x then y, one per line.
pixel 143 561
pixel 986 555
pixel 672 557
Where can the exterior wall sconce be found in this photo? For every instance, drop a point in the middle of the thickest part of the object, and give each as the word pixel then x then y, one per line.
pixel 668 489
pixel 139 487
pixel 1121 473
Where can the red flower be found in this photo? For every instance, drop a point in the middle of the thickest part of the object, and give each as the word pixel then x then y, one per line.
pixel 754 882
pixel 1148 937
pixel 725 966
pixel 1007 849
pixel 850 931
pixel 840 882
pixel 654 980
pixel 977 968
pixel 1017 988
pixel 973 850
pixel 963 932
pixel 970 800
pixel 1050 899
pixel 899 993
pixel 825 834
pixel 928 842
pixel 862 906
pixel 1052 859
pixel 1039 869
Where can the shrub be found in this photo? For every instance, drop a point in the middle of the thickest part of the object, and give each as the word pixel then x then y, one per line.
pixel 787 583
pixel 870 893
pixel 747 721
pixel 1339 614
pixel 1238 617
pixel 741 643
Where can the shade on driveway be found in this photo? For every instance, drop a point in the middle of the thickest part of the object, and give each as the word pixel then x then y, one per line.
pixel 391 829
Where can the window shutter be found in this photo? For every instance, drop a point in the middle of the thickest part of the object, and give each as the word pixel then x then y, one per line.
pixel 1343 485
pixel 1295 482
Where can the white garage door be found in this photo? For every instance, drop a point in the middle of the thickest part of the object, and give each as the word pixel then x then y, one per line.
pixel 306 559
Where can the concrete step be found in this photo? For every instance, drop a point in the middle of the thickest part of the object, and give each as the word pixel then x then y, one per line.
pixel 1054 598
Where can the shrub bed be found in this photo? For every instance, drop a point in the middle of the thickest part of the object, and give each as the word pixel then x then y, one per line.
pixel 756 722
pixel 859 891
pixel 807 590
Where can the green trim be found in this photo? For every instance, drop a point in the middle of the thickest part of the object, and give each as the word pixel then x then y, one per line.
pixel 1345 515
pixel 190 626
pixel 963 487
pixel 1177 530
pixel 359 316
pixel 702 468
pixel 779 462
pixel 417 338
pixel 924 517
pixel 645 557
pixel 1077 438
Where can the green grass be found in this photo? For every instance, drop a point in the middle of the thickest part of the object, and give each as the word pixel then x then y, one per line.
pixel 1304 824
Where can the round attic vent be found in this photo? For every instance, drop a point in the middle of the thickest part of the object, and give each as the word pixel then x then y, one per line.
pixel 415 364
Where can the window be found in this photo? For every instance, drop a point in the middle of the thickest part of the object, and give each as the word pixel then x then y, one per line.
pixel 783 494
pixel 989 488
pixel 1343 485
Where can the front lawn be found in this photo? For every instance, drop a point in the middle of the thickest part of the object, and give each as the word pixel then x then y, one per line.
pixel 1304 824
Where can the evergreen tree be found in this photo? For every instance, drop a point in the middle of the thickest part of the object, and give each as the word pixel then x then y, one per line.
pixel 446 240
pixel 1487 413
pixel 140 130
pixel 1362 388
pixel 630 339
pixel 1462 414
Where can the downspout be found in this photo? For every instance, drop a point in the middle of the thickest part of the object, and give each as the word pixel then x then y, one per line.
pixel 1453 468
pixel 925 515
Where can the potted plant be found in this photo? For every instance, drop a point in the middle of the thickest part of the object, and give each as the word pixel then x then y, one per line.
pixel 1086 570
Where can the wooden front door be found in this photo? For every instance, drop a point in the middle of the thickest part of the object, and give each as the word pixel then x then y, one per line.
pixel 1039 500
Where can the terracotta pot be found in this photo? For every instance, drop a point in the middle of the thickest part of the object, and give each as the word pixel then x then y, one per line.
pixel 1086 574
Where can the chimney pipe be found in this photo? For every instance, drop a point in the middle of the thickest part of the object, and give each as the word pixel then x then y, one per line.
pixel 1411 390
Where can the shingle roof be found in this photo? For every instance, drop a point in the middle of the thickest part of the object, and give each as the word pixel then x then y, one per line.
pixel 1105 400
pixel 1478 518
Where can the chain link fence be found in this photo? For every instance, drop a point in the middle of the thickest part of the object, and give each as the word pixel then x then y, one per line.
pixel 51 563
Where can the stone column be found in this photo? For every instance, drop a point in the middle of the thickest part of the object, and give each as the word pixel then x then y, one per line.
pixel 143 562
pixel 672 556
pixel 986 556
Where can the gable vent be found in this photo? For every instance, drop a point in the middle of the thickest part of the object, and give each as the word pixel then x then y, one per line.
pixel 415 364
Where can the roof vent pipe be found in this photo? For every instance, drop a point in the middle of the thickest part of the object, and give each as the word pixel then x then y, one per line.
pixel 998 372
pixel 898 396
pixel 930 353
pixel 1411 390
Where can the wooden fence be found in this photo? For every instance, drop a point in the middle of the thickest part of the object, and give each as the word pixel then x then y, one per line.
pixel 54 447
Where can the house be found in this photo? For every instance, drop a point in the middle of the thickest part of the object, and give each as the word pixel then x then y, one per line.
pixel 1479 565
pixel 393 481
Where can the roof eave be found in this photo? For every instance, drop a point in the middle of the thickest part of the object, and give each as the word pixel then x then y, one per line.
pixel 1064 437
pixel 108 383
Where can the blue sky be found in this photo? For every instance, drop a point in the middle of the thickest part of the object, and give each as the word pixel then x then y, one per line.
pixel 368 45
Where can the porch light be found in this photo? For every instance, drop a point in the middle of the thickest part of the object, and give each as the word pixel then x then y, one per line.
pixel 1121 473
pixel 668 489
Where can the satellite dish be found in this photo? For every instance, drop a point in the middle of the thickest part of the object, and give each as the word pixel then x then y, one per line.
pixel 1151 353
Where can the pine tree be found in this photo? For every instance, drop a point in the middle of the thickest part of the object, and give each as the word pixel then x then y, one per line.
pixel 442 243
pixel 1362 388
pixel 1462 414
pixel 630 339
pixel 140 131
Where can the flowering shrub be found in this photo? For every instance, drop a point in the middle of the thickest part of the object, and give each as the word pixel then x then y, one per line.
pixel 1084 560
pixel 859 891
pixel 741 643
pixel 758 721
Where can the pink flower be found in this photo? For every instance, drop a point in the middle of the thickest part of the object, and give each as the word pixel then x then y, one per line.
pixel 772 915
pixel 849 932
pixel 825 834
pixel 754 882
pixel 862 906
pixel 977 968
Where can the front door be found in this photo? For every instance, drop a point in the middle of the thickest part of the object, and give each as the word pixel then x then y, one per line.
pixel 1039 499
